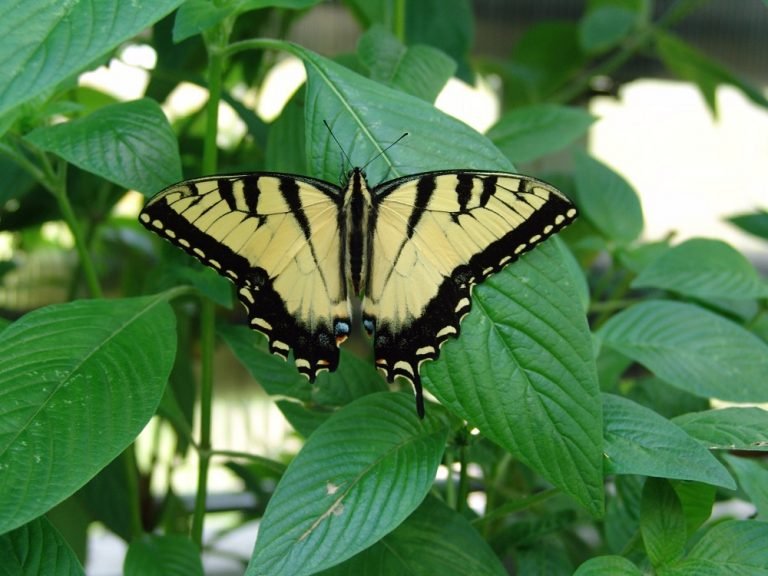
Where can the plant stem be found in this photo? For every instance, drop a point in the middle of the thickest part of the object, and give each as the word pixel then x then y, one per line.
pixel 398 20
pixel 215 43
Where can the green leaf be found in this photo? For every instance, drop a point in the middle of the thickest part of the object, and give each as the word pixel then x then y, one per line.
pixel 730 548
pixel 195 16
pixel 639 441
pixel 691 348
pixel 546 57
pixel 366 116
pixel 353 378
pixel 528 133
pixel 357 477
pixel 752 476
pixel 44 42
pixel 78 382
pixel 728 428
pixel 448 25
pixel 662 523
pixel 608 566
pixel 286 140
pixel 691 65
pixel 697 499
pixel 523 372
pixel 418 70
pixel 704 268
pixel 755 223
pixel 605 27
pixel 433 540
pixel 166 555
pixel 37 548
pixel 607 200
pixel 130 143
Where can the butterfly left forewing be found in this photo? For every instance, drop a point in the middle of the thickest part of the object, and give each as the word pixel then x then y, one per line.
pixel 435 236
pixel 276 237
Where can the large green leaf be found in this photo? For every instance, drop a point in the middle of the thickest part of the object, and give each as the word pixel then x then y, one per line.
pixel 360 474
pixel 78 382
pixel 433 540
pixel 730 548
pixel 607 200
pixel 45 42
pixel 691 348
pixel 365 115
pixel 166 555
pixel 704 268
pixel 639 441
pixel 129 143
pixel 527 133
pixel 37 548
pixel 523 372
pixel 728 428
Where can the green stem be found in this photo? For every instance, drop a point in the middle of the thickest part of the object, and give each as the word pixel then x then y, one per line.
pixel 450 489
pixel 215 43
pixel 128 458
pixel 398 19
pixel 461 501
pixel 55 181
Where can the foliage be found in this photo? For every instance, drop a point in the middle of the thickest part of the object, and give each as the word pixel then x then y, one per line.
pixel 576 401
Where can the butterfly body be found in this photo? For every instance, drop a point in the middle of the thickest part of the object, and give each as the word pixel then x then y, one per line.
pixel 298 249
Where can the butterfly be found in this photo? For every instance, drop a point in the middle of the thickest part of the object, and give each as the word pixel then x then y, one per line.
pixel 298 249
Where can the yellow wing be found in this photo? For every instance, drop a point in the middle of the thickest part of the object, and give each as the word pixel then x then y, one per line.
pixel 435 236
pixel 277 238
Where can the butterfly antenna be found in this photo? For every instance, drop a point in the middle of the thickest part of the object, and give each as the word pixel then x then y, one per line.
pixel 341 148
pixel 385 150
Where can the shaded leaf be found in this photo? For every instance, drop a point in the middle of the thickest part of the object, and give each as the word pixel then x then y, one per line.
pixel 448 25
pixel 37 548
pixel 691 65
pixel 752 476
pixel 162 555
pixel 662 523
pixel 605 27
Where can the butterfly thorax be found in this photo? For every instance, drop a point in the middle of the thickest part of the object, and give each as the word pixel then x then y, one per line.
pixel 356 214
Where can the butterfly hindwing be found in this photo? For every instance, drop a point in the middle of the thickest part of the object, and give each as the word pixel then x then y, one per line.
pixel 435 236
pixel 277 238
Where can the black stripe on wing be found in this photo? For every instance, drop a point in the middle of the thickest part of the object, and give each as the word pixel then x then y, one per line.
pixel 314 346
pixel 400 350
